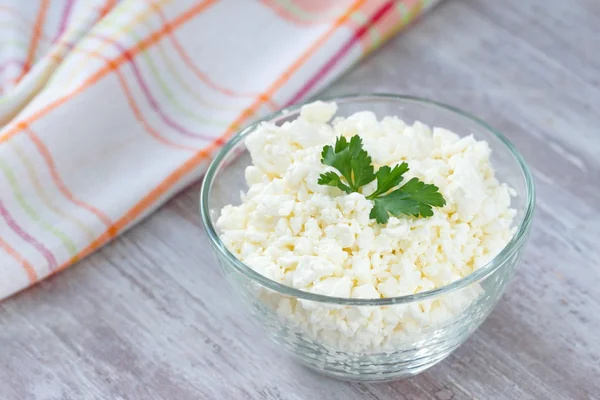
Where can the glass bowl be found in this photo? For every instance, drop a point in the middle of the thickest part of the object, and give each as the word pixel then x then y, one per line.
pixel 306 324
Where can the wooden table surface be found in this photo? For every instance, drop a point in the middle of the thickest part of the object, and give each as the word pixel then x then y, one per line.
pixel 149 317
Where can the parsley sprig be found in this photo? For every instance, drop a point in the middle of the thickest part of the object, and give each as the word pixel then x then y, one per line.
pixel 414 198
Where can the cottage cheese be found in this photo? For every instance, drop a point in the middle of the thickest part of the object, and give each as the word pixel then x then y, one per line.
pixel 318 239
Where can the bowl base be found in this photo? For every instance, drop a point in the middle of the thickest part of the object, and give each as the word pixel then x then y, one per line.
pixel 385 373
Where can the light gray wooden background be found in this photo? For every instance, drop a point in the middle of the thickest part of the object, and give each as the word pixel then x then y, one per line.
pixel 149 316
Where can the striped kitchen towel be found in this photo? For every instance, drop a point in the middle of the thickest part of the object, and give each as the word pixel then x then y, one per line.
pixel 110 107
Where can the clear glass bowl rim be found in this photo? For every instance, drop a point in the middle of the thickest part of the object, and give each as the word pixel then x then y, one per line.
pixel 497 262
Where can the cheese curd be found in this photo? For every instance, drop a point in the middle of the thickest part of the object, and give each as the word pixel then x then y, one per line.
pixel 318 239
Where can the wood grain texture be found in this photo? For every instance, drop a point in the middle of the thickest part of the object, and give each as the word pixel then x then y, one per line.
pixel 149 316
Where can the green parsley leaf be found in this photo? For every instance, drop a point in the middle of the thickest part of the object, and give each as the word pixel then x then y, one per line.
pixel 414 198
pixel 332 179
pixel 351 160
pixel 388 178
pixel 424 193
